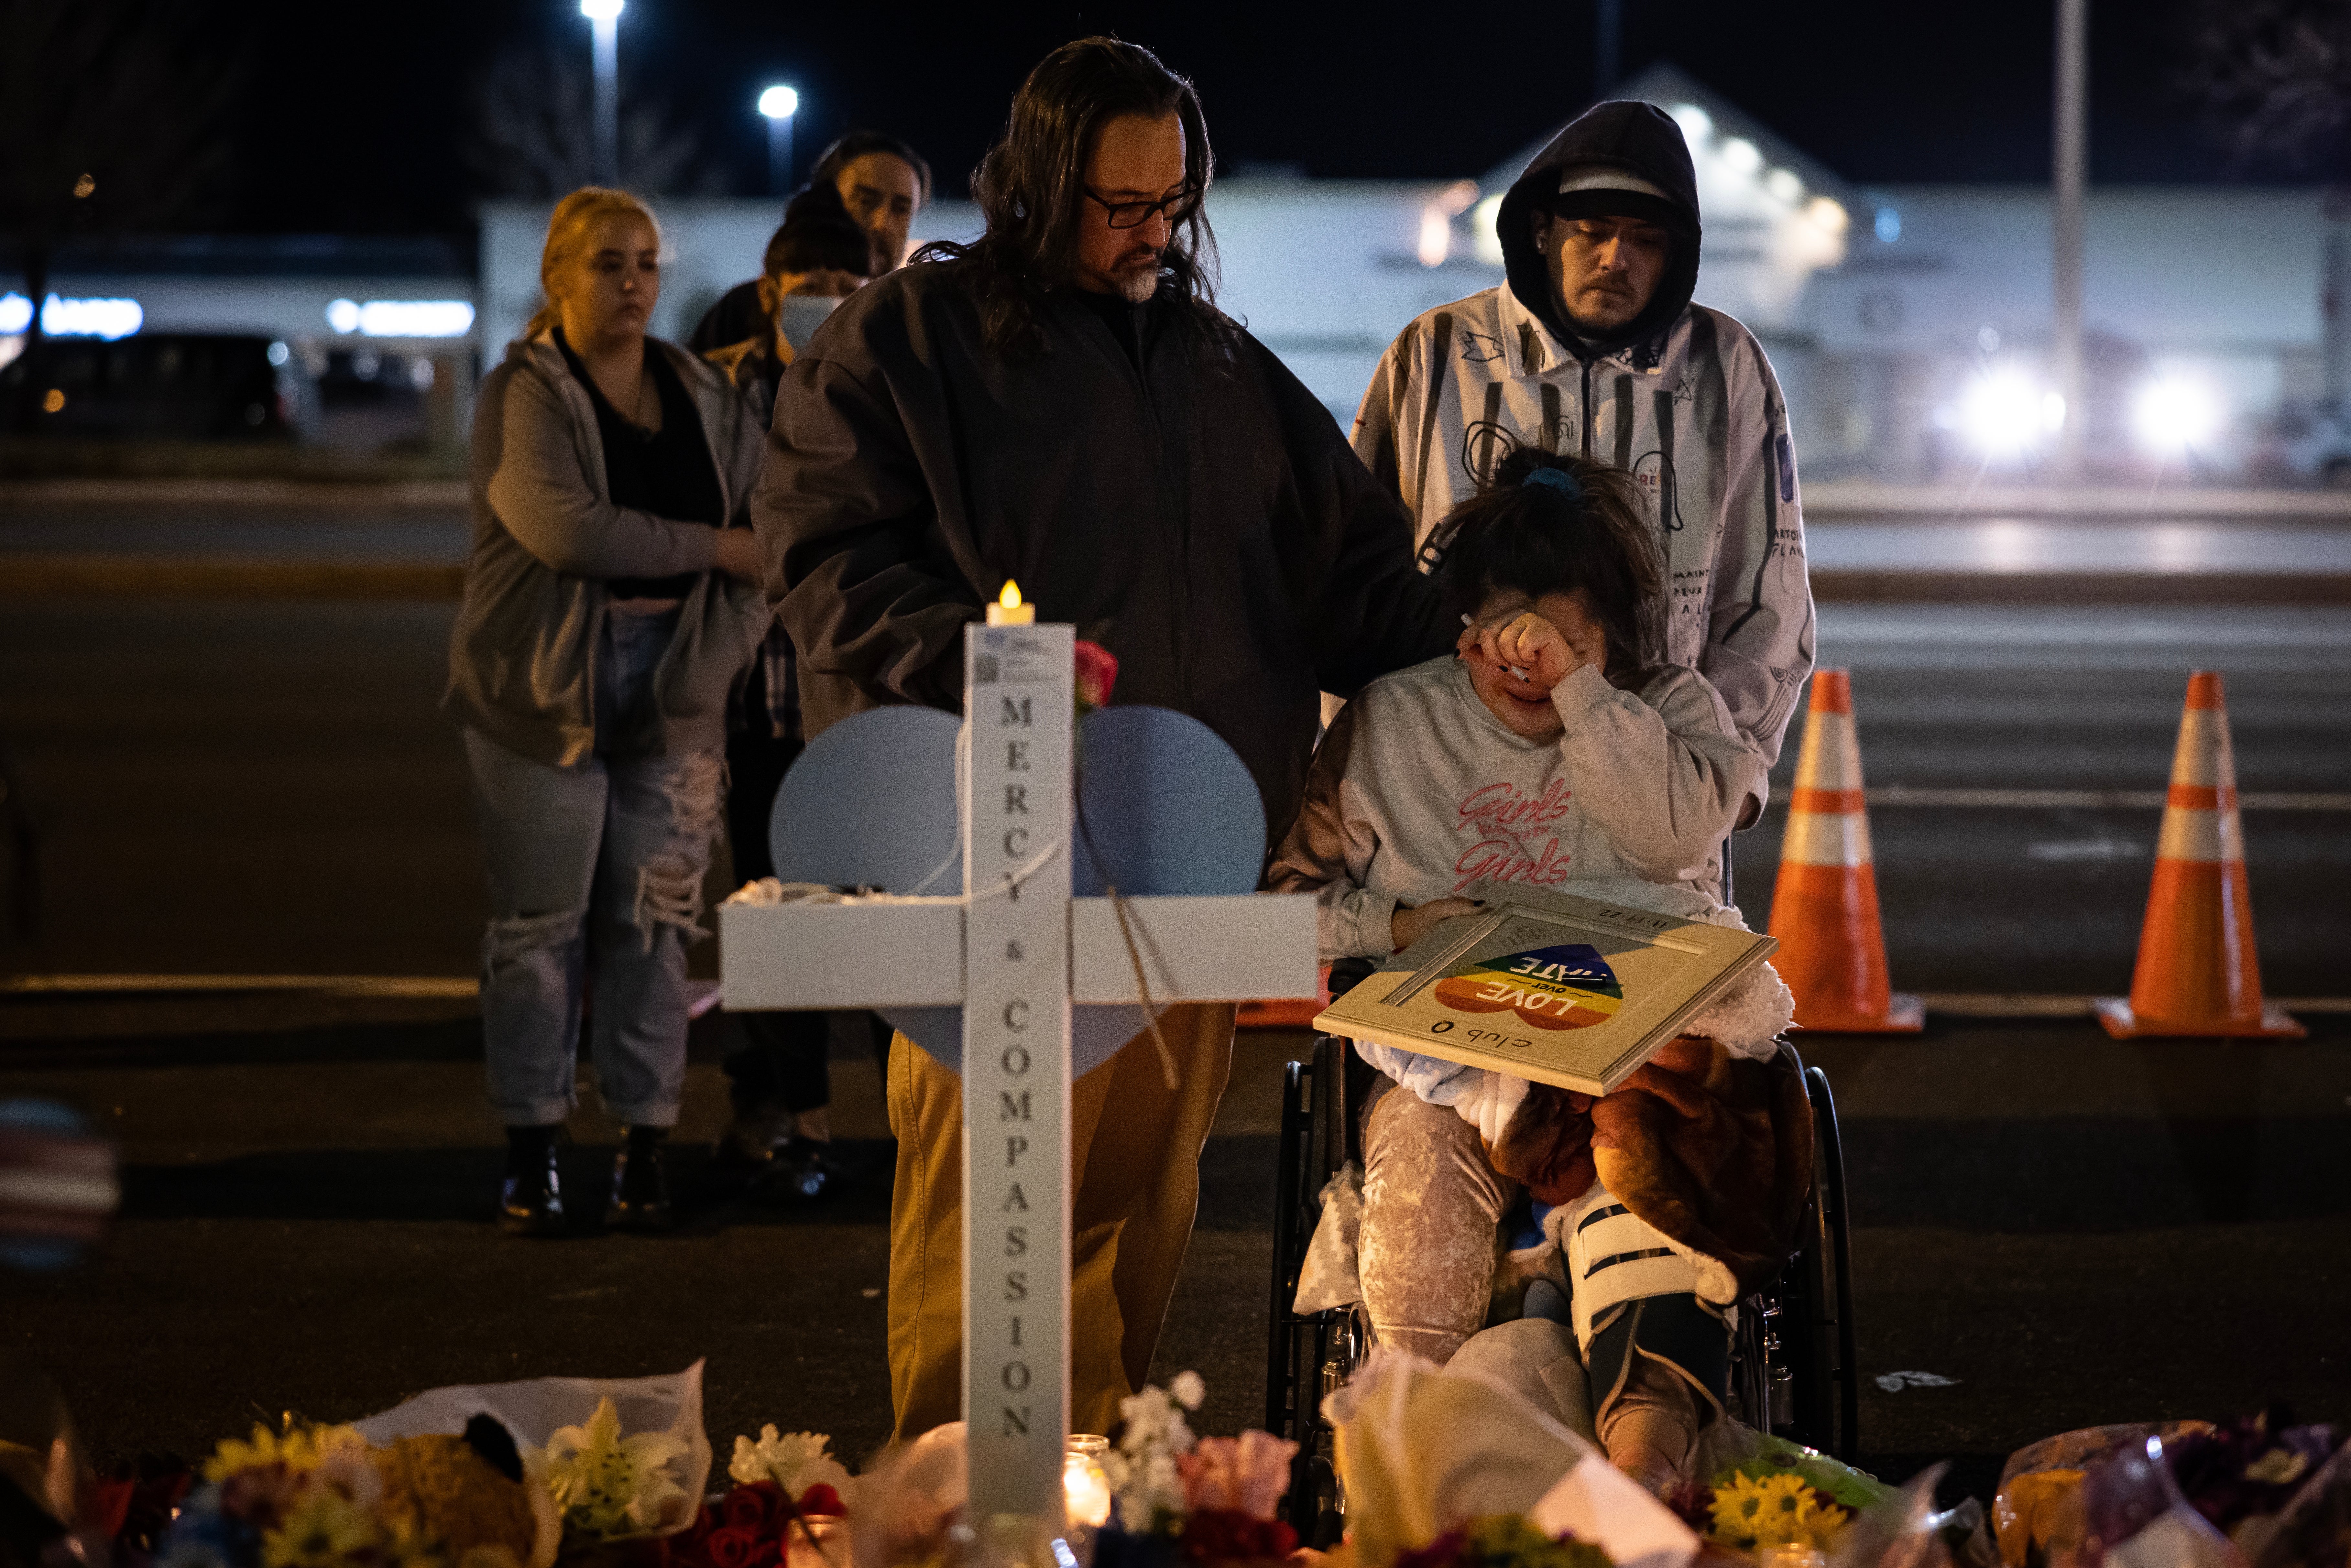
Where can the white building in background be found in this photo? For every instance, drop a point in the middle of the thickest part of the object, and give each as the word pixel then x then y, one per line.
pixel 1909 324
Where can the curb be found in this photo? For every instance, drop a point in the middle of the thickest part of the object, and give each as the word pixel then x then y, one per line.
pixel 31 575
pixel 1845 585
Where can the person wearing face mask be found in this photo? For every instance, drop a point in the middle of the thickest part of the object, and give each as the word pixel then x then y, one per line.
pixel 881 183
pixel 779 1139
pixel 1591 347
pixel 611 601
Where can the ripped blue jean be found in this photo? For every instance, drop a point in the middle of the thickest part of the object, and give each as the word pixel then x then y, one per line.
pixel 595 878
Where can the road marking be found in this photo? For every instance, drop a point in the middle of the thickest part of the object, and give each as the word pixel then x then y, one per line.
pixel 2085 799
pixel 426 986
pixel 1993 1005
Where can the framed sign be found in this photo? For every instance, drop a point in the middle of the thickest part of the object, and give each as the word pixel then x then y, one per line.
pixel 1548 987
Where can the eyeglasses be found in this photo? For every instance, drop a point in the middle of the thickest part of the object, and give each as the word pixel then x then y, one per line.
pixel 1134 214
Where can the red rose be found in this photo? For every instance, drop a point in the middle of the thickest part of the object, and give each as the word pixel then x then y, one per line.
pixel 1228 1534
pixel 753 1506
pixel 820 1499
pixel 686 1546
pixel 1097 674
pixel 734 1546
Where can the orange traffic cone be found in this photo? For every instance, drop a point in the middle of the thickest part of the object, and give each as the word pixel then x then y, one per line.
pixel 2198 973
pixel 1825 907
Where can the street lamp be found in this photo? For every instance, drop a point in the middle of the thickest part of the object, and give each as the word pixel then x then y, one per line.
pixel 605 18
pixel 779 104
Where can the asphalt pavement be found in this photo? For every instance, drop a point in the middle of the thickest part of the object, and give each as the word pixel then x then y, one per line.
pixel 2073 1230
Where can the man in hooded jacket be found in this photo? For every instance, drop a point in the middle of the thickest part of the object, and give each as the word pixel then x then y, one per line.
pixel 1592 345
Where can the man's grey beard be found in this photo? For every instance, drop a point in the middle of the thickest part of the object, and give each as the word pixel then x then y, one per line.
pixel 1137 286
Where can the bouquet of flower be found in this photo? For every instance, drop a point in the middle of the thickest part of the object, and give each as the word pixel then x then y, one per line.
pixel 1503 1541
pixel 1747 1491
pixel 2242 1476
pixel 1211 1499
pixel 316 1497
pixel 788 1491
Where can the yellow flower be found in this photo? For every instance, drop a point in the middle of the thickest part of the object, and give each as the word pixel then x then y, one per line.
pixel 301 1449
pixel 1781 1520
pixel 1823 1520
pixel 324 1528
pixel 1737 1506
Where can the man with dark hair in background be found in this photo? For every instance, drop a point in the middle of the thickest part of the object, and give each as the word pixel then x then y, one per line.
pixel 1062 403
pixel 883 183
pixel 778 1140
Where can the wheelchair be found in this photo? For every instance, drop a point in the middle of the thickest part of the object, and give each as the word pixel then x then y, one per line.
pixel 1793 1373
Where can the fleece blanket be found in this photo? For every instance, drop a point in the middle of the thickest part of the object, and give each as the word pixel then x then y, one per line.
pixel 1711 1147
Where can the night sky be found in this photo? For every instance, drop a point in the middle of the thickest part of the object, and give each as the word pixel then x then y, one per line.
pixel 355 117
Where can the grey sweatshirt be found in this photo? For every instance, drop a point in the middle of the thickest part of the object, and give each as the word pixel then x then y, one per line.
pixel 1418 792
pixel 547 536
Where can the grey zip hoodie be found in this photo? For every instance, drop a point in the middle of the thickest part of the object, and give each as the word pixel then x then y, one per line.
pixel 547 537
pixel 1682 397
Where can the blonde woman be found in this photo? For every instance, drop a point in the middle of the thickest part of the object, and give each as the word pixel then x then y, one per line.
pixel 611 601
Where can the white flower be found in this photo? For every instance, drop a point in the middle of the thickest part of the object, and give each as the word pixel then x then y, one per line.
pixel 793 1460
pixel 1142 1468
pixel 607 1485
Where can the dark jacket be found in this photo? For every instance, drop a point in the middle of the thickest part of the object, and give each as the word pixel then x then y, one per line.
pixel 1643 141
pixel 1201 518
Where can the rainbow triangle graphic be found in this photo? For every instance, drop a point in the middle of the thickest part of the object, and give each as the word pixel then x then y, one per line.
pixel 1566 986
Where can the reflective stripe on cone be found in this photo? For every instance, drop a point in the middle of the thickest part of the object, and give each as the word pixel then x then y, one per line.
pixel 2197 973
pixel 1824 904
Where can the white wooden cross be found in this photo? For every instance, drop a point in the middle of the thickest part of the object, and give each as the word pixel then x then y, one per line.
pixel 1030 952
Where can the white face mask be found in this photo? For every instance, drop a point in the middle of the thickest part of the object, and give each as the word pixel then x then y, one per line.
pixel 800 314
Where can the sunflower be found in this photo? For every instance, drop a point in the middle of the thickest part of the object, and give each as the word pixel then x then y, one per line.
pixel 323 1528
pixel 1738 1508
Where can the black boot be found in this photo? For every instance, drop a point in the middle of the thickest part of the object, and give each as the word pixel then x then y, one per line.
pixel 640 1187
pixel 530 1201
pixel 799 1170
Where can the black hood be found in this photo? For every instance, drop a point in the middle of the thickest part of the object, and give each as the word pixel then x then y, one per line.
pixel 1642 139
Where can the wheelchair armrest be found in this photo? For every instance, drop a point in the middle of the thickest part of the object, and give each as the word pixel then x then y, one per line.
pixel 1346 974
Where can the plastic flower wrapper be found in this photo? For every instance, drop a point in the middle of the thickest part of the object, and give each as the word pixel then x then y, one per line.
pixel 2137 1517
pixel 609 1484
pixel 1142 1468
pixel 1747 1491
pixel 909 1502
pixel 796 1461
pixel 1422 1452
pixel 2313 1530
pixel 2241 1476
pixel 665 1477
pixel 2036 1513
pixel 1907 1532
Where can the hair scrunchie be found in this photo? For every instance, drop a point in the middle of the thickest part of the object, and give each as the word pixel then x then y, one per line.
pixel 1558 479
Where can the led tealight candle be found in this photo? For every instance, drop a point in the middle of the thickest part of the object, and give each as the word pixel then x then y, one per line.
pixel 1007 610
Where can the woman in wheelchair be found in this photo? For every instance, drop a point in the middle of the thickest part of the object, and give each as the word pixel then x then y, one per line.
pixel 1599 1244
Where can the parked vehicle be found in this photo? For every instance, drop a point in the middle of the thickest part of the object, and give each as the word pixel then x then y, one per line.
pixel 173 386
pixel 2311 441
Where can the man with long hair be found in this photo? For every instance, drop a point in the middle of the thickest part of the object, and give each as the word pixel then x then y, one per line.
pixel 1060 403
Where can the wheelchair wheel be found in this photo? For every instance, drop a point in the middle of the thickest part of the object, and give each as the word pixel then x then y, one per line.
pixel 1794 1370
pixel 1309 1354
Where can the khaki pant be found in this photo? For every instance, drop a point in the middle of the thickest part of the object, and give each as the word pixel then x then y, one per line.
pixel 1135 1157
